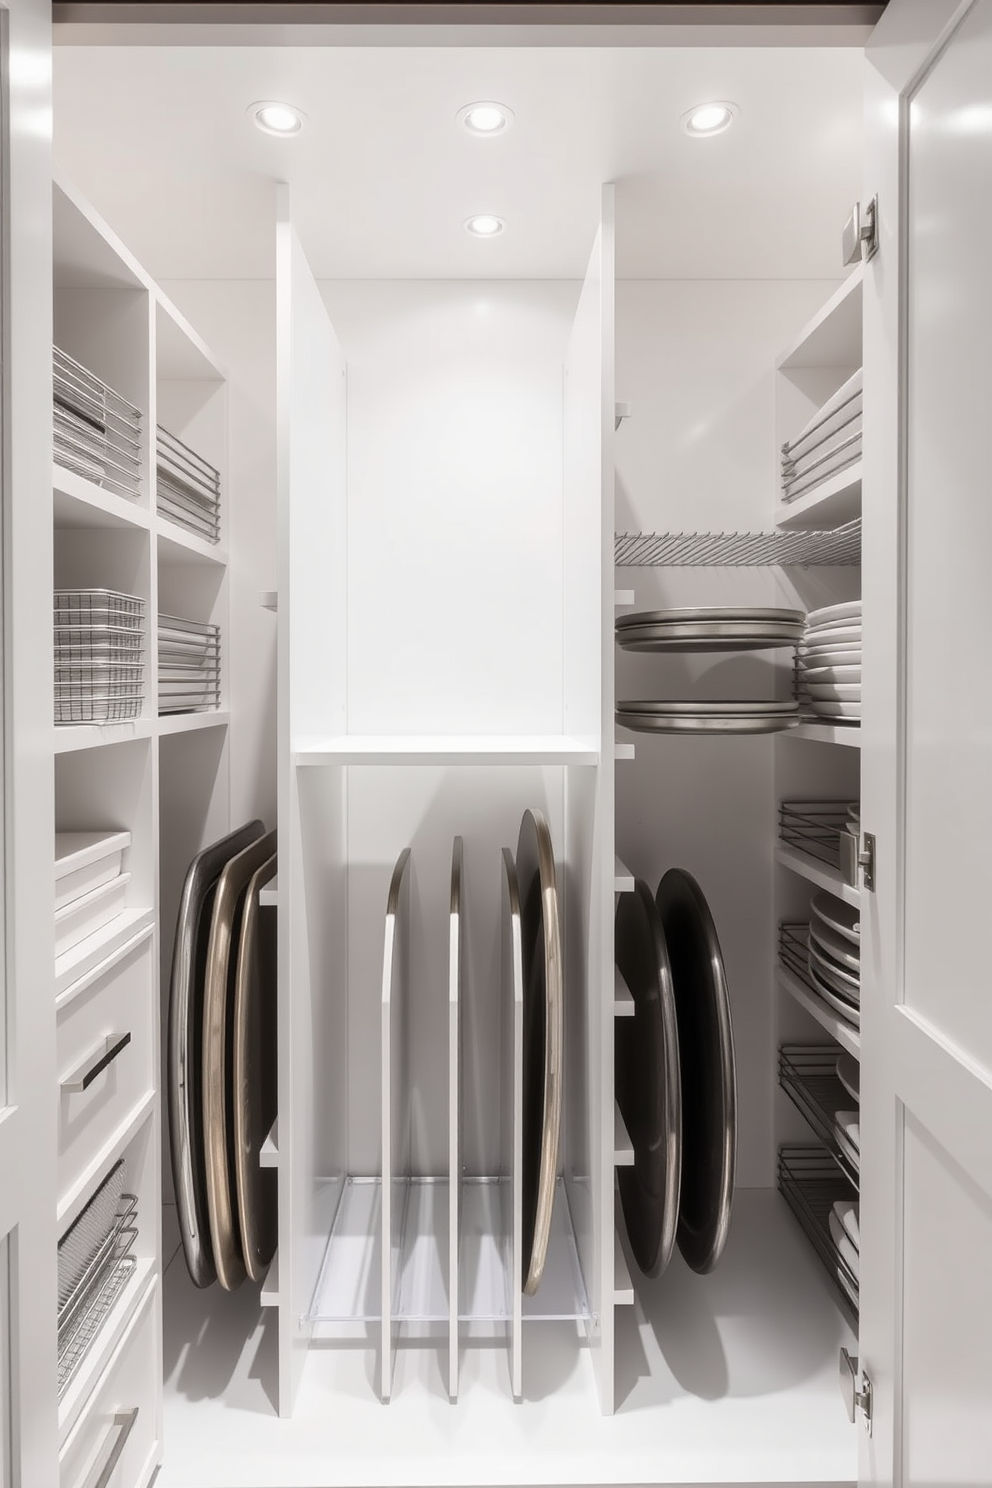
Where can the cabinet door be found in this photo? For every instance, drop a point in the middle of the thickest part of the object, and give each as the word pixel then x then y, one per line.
pixel 926 1277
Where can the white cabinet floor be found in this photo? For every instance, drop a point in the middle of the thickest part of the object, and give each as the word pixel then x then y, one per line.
pixel 730 1378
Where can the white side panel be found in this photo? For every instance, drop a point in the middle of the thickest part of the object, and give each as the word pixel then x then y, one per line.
pixel 586 851
pixel 456 981
pixel 28 1117
pixel 312 947
pixel 926 1043
pixel 512 1114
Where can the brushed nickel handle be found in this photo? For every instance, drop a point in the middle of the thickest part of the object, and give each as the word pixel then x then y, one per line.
pixel 123 1424
pixel 94 1064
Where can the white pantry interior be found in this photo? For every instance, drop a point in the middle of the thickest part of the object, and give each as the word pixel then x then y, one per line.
pixel 449 481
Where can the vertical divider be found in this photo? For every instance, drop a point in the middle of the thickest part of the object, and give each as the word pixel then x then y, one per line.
pixel 512 1116
pixel 456 982
pixel 395 1104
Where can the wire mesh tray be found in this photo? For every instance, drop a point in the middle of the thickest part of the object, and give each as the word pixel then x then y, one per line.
pixel 808 1075
pixel 811 1183
pixel 98 607
pixel 841 547
pixel 98 709
pixel 97 431
pixel 187 487
pixel 814 828
pixel 84 1335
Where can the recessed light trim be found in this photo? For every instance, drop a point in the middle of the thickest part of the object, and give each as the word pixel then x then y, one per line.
pixel 707 119
pixel 486 119
pixel 484 225
pixel 274 117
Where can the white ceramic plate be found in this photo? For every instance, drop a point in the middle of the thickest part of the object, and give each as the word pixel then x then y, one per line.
pixel 836 945
pixel 818 648
pixel 844 983
pixel 838 635
pixel 849 1075
pixel 836 710
pixel 832 614
pixel 836 692
pixel 846 1011
pixel 844 918
pixel 834 676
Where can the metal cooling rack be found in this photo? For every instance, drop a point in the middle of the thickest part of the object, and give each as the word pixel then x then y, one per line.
pixel 814 828
pixel 808 1075
pixel 811 1183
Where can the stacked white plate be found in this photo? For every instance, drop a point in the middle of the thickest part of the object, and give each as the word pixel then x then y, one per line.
pixel 830 663
pixel 835 954
pixel 829 444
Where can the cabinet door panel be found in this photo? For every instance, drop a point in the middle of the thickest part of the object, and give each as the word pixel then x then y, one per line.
pixel 926 1015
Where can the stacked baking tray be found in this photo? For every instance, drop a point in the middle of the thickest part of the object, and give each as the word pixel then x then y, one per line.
pixel 97 433
pixel 95 1262
pixel 99 668
pixel 90 888
pixel 188 487
pixel 830 443
pixel 188 665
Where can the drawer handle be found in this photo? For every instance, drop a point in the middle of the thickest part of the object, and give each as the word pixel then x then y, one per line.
pixel 95 1064
pixel 123 1424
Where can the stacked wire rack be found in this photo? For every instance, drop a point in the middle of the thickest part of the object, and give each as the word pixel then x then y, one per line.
pixel 99 666
pixel 816 1190
pixel 814 828
pixel 188 487
pixel 829 444
pixel 188 665
pixel 95 1263
pixel 97 432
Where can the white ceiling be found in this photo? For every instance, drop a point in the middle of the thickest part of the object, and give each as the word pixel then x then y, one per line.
pixel 383 177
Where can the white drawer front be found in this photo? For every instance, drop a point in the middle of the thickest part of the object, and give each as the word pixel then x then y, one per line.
pixel 104 1046
pixel 110 1446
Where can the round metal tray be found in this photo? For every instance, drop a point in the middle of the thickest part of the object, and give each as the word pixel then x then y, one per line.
pixel 727 707
pixel 706 636
pixel 711 614
pixel 707 1068
pixel 543 1034
pixel 727 723
pixel 647 1079
pixel 254 1076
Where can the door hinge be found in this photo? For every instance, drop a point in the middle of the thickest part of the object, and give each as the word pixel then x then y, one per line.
pixel 856 1393
pixel 857 854
pixel 861 233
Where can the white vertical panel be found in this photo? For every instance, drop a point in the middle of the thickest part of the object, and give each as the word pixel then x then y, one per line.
pixel 28 1132
pixel 512 1113
pixel 926 1094
pixel 585 868
pixel 312 691
pixel 456 980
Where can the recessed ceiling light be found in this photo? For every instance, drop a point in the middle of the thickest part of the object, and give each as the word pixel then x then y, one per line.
pixel 485 226
pixel 276 118
pixel 486 119
pixel 710 118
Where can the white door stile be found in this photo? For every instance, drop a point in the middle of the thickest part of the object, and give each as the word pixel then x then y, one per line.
pixel 456 982
pixel 396 1126
pixel 512 1116
pixel 926 1105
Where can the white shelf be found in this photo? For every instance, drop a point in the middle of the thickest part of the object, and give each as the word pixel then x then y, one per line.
pixel 821 874
pixel 112 1330
pixel 831 504
pixel 833 338
pixel 623 1001
pixel 623 1147
pixel 826 733
pixel 447 749
pixel 623 1286
pixel 270 1286
pixel 177 546
pixel 191 723
pixel 268 1156
pixel 623 879
pixel 81 503
pixel 72 1202
pixel 91 958
pixel 839 1028
pixel 72 736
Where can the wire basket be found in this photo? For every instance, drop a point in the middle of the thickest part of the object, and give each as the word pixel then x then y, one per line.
pixel 95 709
pixel 97 432
pixel 94 1265
pixel 97 643
pixel 187 487
pixel 808 1075
pixel 188 665
pixel 811 1183
pixel 814 827
pixel 98 607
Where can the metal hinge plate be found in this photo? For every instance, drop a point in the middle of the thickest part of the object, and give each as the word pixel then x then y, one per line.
pixel 857 1394
pixel 857 856
pixel 861 233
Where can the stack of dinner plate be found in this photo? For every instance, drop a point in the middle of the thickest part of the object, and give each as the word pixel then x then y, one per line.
pixel 835 954
pixel 829 444
pixel 830 663
pixel 705 629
